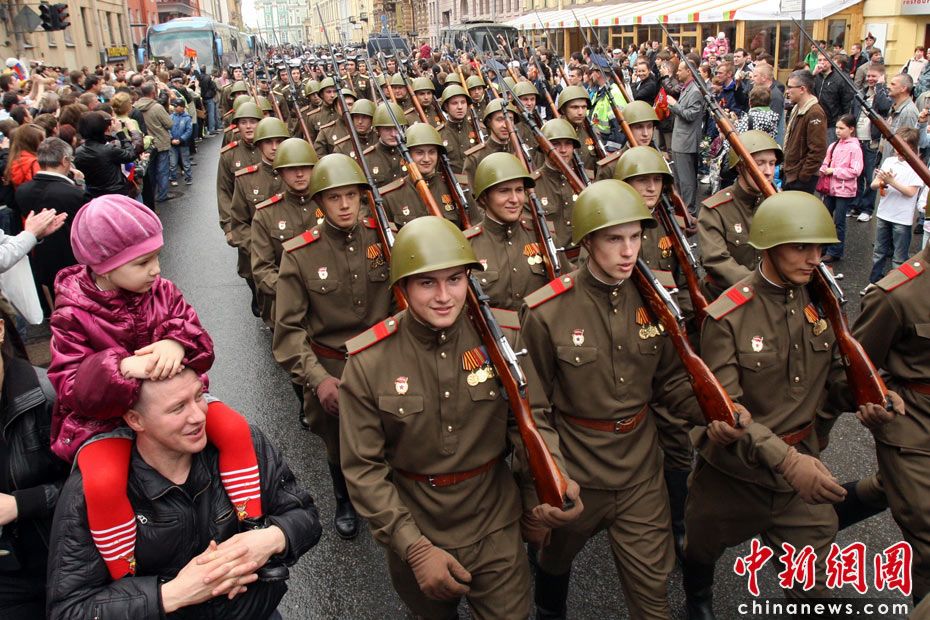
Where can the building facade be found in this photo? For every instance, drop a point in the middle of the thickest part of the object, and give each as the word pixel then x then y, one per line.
pixel 171 9
pixel 282 21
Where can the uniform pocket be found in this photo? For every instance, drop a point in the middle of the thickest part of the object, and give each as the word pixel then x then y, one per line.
pixel 823 342
pixel 649 347
pixel 922 330
pixel 757 361
pixel 322 287
pixel 378 274
pixel 488 277
pixel 577 356
pixel 400 406
pixel 489 390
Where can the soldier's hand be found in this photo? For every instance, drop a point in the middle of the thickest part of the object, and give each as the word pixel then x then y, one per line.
pixel 810 478
pixel 328 393
pixel 438 574
pixel 552 516
pixel 723 434
pixel 533 530
pixel 229 239
pixel 873 416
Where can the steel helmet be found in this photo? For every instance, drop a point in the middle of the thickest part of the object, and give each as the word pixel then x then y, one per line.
pixel 264 104
pixel 498 105
pixel 474 81
pixel 791 217
pixel 512 83
pixel 560 129
pixel 238 87
pixel 639 112
pixel 382 81
pixel 423 134
pixel 365 107
pixel 452 78
pixel 453 90
pixel 348 92
pixel 641 160
pixel 755 141
pixel 608 203
pixel 522 89
pixel 429 243
pixel 398 80
pixel 422 83
pixel 335 170
pixel 497 168
pixel 382 117
pixel 293 153
pixel 311 88
pixel 270 127
pixel 570 94
pixel 248 110
pixel 240 99
pixel 327 82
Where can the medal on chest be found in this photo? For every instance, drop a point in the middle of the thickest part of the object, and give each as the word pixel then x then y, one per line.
pixel 818 323
pixel 255 191
pixel 374 170
pixel 375 254
pixel 400 385
pixel 238 164
pixel 738 227
pixel 476 363
pixel 323 273
pixel 318 214
pixel 282 225
pixel 665 245
pixel 447 202
pixel 577 337
pixel 405 210
pixel 647 327
pixel 756 343
pixel 533 253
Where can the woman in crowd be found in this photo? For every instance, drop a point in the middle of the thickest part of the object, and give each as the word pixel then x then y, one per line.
pixel 106 148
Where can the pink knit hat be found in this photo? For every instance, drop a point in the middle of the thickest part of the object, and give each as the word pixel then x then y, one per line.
pixel 112 230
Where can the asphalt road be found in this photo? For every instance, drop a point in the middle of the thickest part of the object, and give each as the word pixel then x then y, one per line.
pixel 339 579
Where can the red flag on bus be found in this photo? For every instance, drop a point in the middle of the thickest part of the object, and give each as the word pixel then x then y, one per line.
pixel 190 52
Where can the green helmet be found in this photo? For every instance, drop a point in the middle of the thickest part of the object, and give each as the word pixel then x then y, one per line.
pixel 429 243
pixel 791 217
pixel 639 112
pixel 238 87
pixel 474 81
pixel 560 129
pixel 383 119
pixel 641 160
pixel 570 94
pixel 497 168
pixel 293 153
pixel 382 81
pixel 608 203
pixel 240 99
pixel 451 91
pixel 264 104
pixel 512 83
pixel 365 107
pixel 348 92
pixel 398 80
pixel 755 141
pixel 423 134
pixel 248 110
pixel 453 78
pixel 422 83
pixel 522 89
pixel 498 105
pixel 335 170
pixel 327 82
pixel 311 88
pixel 270 127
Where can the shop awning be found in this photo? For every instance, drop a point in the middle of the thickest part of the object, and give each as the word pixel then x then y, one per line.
pixel 675 12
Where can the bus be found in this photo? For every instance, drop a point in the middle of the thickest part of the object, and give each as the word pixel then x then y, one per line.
pixel 216 44
pixel 467 35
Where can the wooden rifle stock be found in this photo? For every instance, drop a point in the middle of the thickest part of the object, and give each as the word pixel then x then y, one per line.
pixel 665 213
pixel 595 137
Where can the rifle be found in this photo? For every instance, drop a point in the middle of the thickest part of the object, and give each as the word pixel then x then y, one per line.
pixel 374 196
pixel 861 373
pixel 665 213
pixel 271 93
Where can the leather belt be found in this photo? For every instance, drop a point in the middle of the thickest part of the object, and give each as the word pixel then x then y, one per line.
pixel 792 439
pixel 327 352
pixel 448 480
pixel 920 388
pixel 620 427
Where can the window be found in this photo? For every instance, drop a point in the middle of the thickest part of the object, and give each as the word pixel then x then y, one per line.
pixel 51 39
pixel 85 22
pixel 119 28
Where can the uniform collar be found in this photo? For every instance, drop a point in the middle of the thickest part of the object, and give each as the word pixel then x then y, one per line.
pixel 267 167
pixel 592 283
pixel 763 285
pixel 297 198
pixel 339 234
pixel 498 228
pixel 430 336
pixel 746 197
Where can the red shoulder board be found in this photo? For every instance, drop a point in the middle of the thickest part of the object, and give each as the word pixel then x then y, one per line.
pixel 373 335
pixel 902 275
pixel 369 149
pixel 506 318
pixel 369 222
pixel 270 201
pixel 474 149
pixel 301 240
pixel 230 146
pixel 536 175
pixel 248 170
pixel 553 289
pixel 393 185
pixel 474 231
pixel 720 198
pixel 730 300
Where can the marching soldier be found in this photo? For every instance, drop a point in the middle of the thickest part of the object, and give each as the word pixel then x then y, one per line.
pixel 573 104
pixel 504 242
pixel 283 216
pixel 458 134
pixel 235 156
pixel 334 130
pixel 231 131
pixel 498 138
pixel 423 90
pixel 555 194
pixel 724 222
pixel 255 184
pixel 327 112
pixel 401 197
pixel 477 90
pixel 363 112
pixel 527 95
pixel 359 82
pixel 423 431
pixel 230 92
pixel 384 158
pixel 605 364
pixel 766 336
pixel 332 286
pixel 642 119
pixel 399 88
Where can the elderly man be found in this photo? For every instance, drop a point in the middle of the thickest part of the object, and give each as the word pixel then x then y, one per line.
pixel 190 551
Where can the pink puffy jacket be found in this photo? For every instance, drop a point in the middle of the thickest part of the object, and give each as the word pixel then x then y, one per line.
pixel 92 331
pixel 845 157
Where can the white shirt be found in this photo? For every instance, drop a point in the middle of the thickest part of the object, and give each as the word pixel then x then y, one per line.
pixel 894 206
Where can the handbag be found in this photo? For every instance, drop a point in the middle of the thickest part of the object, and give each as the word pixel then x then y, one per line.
pixel 19 287
pixel 823 182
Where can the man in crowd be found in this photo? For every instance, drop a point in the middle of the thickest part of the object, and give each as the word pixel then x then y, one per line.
pixel 805 136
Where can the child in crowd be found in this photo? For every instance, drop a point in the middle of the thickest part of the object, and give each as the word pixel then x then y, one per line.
pixel 181 132
pixel 900 190
pixel 116 323
pixel 842 166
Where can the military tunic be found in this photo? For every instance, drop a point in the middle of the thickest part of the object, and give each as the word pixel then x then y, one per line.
pixel 406 405
pixel 361 85
pixel 558 200
pixel 345 145
pixel 234 156
pixel 513 261
pixel 759 340
pixel 894 330
pixel 332 285
pixel 283 216
pixel 329 135
pixel 321 116
pixel 404 204
pixel 432 116
pixel 723 236
pixel 385 163
pixel 476 154
pixel 458 137
pixel 588 150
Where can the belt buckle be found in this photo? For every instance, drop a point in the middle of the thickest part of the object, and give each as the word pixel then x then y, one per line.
pixel 431 480
pixel 623 426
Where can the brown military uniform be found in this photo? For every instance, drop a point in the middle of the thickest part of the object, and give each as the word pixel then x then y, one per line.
pixel 723 236
pixel 361 85
pixel 512 259
pixel 476 154
pixel 432 116
pixel 407 408
pixel 345 145
pixel 558 199
pixel 760 340
pixel 323 115
pixel 403 202
pixel 603 361
pixel 329 135
pixel 536 157
pixel 588 151
pixel 458 137
pixel 607 166
pixel 230 134
pixel 233 157
pixel 894 330
pixel 385 163
pixel 332 285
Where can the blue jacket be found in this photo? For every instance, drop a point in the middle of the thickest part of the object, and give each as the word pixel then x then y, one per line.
pixel 182 127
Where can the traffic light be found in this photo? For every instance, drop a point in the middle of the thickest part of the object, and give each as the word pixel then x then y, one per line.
pixel 47 15
pixel 61 16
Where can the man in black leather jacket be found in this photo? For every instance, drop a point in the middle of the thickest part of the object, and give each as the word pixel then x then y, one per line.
pixel 181 508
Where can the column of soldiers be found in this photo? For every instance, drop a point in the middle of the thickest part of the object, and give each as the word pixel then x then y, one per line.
pixel 391 372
